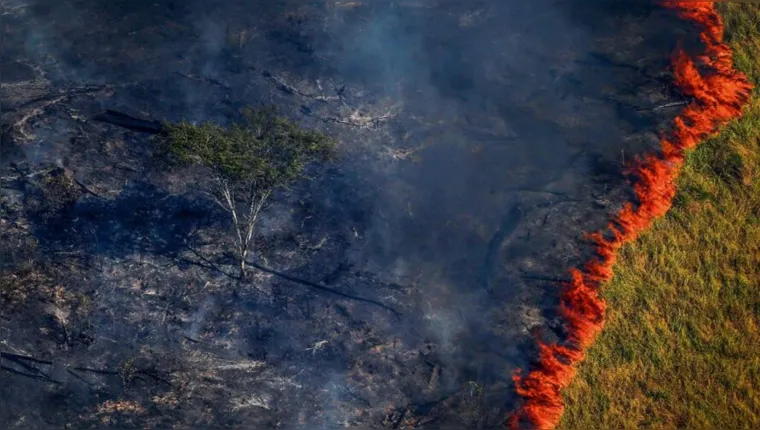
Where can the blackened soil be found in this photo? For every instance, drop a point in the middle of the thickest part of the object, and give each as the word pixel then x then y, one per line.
pixel 479 139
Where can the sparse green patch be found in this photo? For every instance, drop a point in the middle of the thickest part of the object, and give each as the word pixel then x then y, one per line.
pixel 247 162
pixel 681 348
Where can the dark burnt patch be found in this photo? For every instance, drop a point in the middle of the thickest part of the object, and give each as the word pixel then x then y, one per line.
pixel 398 287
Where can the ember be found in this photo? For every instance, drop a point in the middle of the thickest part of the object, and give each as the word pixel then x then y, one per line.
pixel 718 94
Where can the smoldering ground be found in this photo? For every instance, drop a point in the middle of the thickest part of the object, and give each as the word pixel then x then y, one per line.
pixel 478 140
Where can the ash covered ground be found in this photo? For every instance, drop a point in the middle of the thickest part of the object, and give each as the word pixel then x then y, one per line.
pixel 479 139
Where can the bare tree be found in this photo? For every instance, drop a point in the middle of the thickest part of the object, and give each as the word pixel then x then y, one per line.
pixel 247 162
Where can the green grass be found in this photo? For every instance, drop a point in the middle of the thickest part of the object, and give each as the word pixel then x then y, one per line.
pixel 681 348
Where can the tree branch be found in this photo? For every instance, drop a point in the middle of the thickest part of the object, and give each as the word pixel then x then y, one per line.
pixel 318 287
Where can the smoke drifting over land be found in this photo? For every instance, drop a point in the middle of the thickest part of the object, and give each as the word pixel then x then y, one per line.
pixel 478 140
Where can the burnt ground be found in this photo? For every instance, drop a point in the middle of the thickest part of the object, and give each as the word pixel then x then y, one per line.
pixel 479 139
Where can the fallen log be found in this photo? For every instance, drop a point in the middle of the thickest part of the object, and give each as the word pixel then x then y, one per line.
pixel 123 120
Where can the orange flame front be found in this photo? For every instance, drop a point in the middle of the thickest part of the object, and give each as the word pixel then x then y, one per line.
pixel 718 94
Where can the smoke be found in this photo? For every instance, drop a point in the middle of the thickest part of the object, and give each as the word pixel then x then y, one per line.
pixel 480 95
pixel 198 318
pixel 378 53
pixel 477 108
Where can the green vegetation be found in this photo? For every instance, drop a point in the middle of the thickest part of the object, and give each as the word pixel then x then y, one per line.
pixel 247 162
pixel 681 348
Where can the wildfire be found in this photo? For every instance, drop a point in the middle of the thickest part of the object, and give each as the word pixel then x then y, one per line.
pixel 718 94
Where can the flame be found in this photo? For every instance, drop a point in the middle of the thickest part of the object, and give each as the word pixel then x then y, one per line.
pixel 718 93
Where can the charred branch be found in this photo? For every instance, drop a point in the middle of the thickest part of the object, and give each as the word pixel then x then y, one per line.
pixel 37 107
pixel 603 60
pixel 555 280
pixel 27 375
pixel 26 363
pixel 129 122
pixel 10 356
pixel 665 106
pixel 322 288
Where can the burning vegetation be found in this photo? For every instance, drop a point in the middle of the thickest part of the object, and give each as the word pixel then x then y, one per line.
pixel 718 94
pixel 400 288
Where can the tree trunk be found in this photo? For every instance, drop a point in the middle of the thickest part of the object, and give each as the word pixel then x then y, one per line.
pixel 243 256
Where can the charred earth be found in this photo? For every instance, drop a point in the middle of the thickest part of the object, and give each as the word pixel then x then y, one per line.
pixel 400 289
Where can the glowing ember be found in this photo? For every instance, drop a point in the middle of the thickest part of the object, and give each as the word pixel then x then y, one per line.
pixel 718 94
